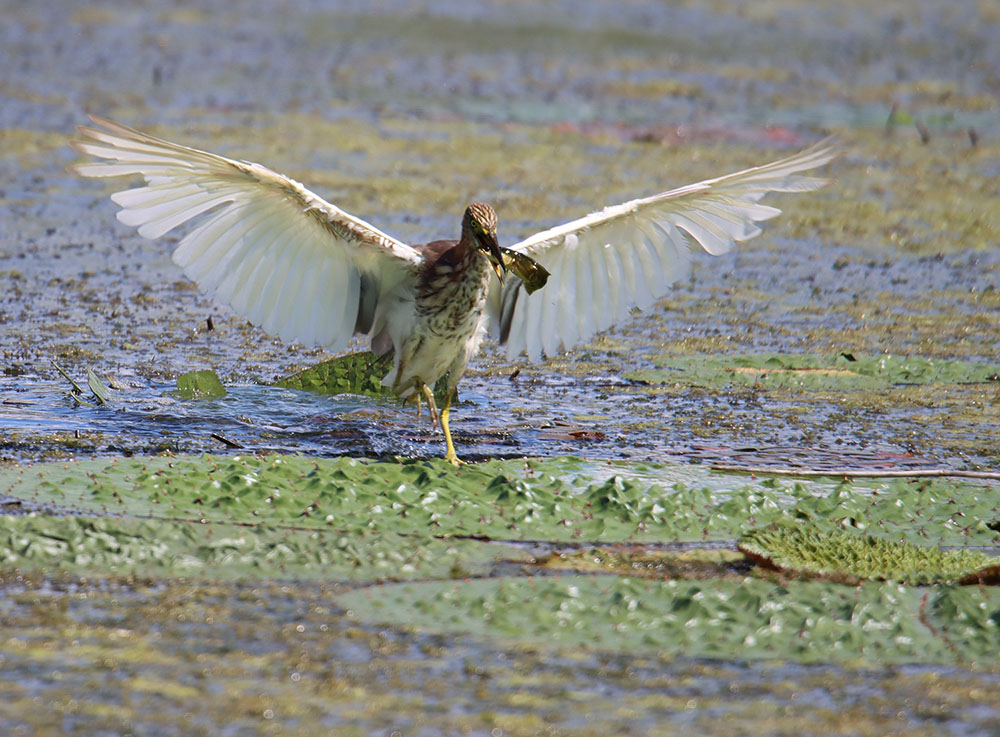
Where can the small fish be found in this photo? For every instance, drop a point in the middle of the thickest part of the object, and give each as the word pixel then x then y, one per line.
pixel 532 273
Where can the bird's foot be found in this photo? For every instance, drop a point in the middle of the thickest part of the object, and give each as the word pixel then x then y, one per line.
pixel 453 459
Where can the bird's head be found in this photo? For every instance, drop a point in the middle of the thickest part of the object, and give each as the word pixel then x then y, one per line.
pixel 480 225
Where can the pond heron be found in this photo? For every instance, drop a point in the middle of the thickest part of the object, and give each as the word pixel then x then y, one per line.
pixel 304 270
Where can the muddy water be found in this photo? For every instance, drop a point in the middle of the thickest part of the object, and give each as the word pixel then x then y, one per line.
pixel 402 113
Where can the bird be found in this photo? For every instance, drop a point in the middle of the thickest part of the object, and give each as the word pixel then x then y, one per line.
pixel 306 271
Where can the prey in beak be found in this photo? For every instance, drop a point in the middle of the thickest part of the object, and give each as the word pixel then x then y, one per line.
pixel 489 245
pixel 479 225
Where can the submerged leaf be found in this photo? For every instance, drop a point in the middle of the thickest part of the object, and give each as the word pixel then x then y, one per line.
pixel 199 385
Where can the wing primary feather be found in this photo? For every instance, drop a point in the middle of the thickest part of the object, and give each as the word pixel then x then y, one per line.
pixel 318 299
pixel 616 279
pixel 548 332
pixel 270 252
pixel 145 196
pixel 519 328
pixel 102 170
pixel 508 303
pixel 707 235
pixel 644 269
pixel 237 287
pixel 600 303
pixel 725 228
pixel 675 253
pixel 137 158
pixel 586 314
pixel 202 248
pixel 737 223
pixel 233 267
pixel 570 303
pixel 278 294
pixel 532 315
pixel 611 269
pixel 189 205
pixel 156 228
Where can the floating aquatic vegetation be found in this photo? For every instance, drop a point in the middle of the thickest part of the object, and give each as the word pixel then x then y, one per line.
pixel 199 385
pixel 557 499
pixel 98 387
pixel 806 622
pixel 826 372
pixel 711 563
pixel 353 373
pixel 123 546
pixel 851 557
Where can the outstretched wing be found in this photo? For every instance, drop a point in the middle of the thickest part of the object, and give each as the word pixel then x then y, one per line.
pixel 279 255
pixel 628 255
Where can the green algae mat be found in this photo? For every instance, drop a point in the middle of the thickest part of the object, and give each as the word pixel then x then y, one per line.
pixel 832 372
pixel 747 619
pixel 853 558
pixel 624 558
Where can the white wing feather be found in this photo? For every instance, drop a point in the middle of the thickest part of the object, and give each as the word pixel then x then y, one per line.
pixel 278 254
pixel 628 255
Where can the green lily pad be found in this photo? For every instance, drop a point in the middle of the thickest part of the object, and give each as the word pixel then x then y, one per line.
pixel 199 385
pixel 127 546
pixel 556 499
pixel 853 557
pixel 355 373
pixel 501 499
pixel 823 372
pixel 751 618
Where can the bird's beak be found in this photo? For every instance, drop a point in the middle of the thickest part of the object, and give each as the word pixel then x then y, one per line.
pixel 489 245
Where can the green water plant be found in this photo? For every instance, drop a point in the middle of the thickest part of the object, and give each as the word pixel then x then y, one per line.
pixel 838 371
pixel 353 373
pixel 805 622
pixel 851 557
pixel 202 384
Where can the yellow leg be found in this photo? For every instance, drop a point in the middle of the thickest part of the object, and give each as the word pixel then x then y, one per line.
pixel 450 454
pixel 432 409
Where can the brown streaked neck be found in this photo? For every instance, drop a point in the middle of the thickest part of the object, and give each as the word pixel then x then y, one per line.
pixel 467 241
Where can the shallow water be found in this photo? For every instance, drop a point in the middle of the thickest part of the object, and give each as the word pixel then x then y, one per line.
pixel 578 404
pixel 277 660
